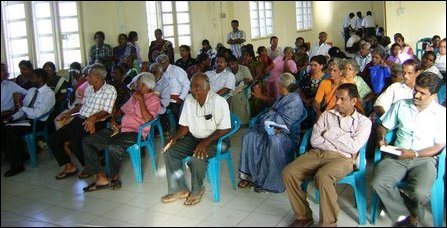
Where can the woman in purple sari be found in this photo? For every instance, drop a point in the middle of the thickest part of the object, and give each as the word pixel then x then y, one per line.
pixel 265 149
pixel 160 46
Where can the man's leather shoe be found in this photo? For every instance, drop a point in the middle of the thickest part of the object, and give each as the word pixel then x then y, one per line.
pixel 14 171
pixel 302 223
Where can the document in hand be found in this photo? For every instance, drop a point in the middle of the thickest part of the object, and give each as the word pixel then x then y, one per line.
pixel 24 123
pixel 391 149
pixel 273 124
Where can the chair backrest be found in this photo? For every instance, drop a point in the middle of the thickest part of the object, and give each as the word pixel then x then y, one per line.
pixel 40 117
pixel 419 46
pixel 143 126
pixel 235 126
pixel 295 130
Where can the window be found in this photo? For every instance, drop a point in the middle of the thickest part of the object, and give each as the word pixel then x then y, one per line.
pixel 173 18
pixel 303 15
pixel 41 32
pixel 261 19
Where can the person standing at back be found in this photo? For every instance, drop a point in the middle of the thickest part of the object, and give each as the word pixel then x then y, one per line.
pixel 369 25
pixel 348 26
pixel 236 39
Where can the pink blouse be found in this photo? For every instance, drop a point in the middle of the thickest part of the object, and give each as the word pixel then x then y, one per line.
pixel 132 118
pixel 279 68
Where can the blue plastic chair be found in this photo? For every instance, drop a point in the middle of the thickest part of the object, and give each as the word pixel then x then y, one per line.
pixel 30 139
pixel 213 171
pixel 437 190
pixel 356 179
pixel 135 149
pixel 419 46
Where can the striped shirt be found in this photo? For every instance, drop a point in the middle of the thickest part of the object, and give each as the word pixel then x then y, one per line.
pixel 101 100
pixel 236 48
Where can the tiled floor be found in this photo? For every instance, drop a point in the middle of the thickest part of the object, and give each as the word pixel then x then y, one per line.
pixel 36 198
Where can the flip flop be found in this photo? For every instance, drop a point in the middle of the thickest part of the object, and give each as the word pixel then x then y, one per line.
pixel 244 184
pixel 93 187
pixel 174 197
pixel 64 175
pixel 194 200
pixel 115 184
pixel 84 175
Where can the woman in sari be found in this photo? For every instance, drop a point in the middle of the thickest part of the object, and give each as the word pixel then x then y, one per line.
pixel 265 149
pixel 160 46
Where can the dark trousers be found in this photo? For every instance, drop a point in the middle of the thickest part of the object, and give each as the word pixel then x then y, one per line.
pixel 93 144
pixel 346 35
pixel 174 164
pixel 176 109
pixel 370 32
pixel 14 146
pixel 74 133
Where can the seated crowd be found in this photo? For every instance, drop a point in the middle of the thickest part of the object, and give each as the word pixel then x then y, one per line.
pixel 347 102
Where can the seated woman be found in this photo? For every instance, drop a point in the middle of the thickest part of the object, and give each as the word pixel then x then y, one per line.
pixel 350 70
pixel 406 48
pixel 308 85
pixel 142 107
pixel 185 60
pixel 265 149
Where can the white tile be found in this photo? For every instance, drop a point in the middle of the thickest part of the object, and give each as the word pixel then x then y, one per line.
pixel 98 206
pixel 227 216
pixel 102 221
pixel 273 207
pixel 244 203
pixel 30 208
pixel 149 218
pixel 199 211
pixel 260 220
pixel 179 221
pixel 210 224
pixel 143 201
pixel 123 213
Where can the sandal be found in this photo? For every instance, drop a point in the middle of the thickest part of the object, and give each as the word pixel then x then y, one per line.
pixel 193 200
pixel 84 175
pixel 64 175
pixel 115 184
pixel 244 184
pixel 93 187
pixel 174 197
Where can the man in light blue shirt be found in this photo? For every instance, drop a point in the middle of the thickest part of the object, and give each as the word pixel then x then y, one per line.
pixel 9 88
pixel 420 135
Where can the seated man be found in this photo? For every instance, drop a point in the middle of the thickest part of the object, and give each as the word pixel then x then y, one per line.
pixel 336 138
pixel 38 101
pixel 222 81
pixel 97 105
pixel 205 118
pixel 421 133
pixel 265 152
pixel 9 92
pixel 143 106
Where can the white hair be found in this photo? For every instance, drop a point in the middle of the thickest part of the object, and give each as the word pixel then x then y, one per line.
pixel 147 79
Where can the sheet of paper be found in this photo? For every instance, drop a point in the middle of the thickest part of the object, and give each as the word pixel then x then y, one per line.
pixel 391 150
pixel 271 123
pixel 20 123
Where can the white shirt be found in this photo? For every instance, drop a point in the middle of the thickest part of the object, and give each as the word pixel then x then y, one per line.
pixel 352 40
pixel 362 61
pixel 274 53
pixel 395 92
pixel 236 48
pixel 358 22
pixel 317 49
pixel 369 22
pixel 101 100
pixel 416 130
pixel 178 80
pixel 164 93
pixel 193 115
pixel 434 69
pixel 349 22
pixel 440 62
pixel 8 89
pixel 44 102
pixel 218 81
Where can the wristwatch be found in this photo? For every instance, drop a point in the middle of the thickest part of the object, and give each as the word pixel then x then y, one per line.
pixel 416 154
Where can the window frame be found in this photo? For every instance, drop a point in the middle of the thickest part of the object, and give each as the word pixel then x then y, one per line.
pixel 259 24
pixel 159 23
pixel 304 14
pixel 34 51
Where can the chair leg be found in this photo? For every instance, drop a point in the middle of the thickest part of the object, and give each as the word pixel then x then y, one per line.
pixel 213 175
pixel 374 206
pixel 135 157
pixel 151 150
pixel 31 144
pixel 360 199
pixel 437 203
pixel 231 170
pixel 107 160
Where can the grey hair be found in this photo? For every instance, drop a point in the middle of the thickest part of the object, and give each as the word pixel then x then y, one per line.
pixel 98 68
pixel 147 79
pixel 286 80
pixel 156 66
pixel 353 63
pixel 162 58
pixel 206 79
pixel 366 45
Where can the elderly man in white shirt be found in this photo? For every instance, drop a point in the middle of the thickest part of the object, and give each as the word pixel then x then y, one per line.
pixel 178 84
pixel 364 56
pixel 206 117
pixel 222 81
pixel 37 102
pixel 320 48
pixel 399 90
